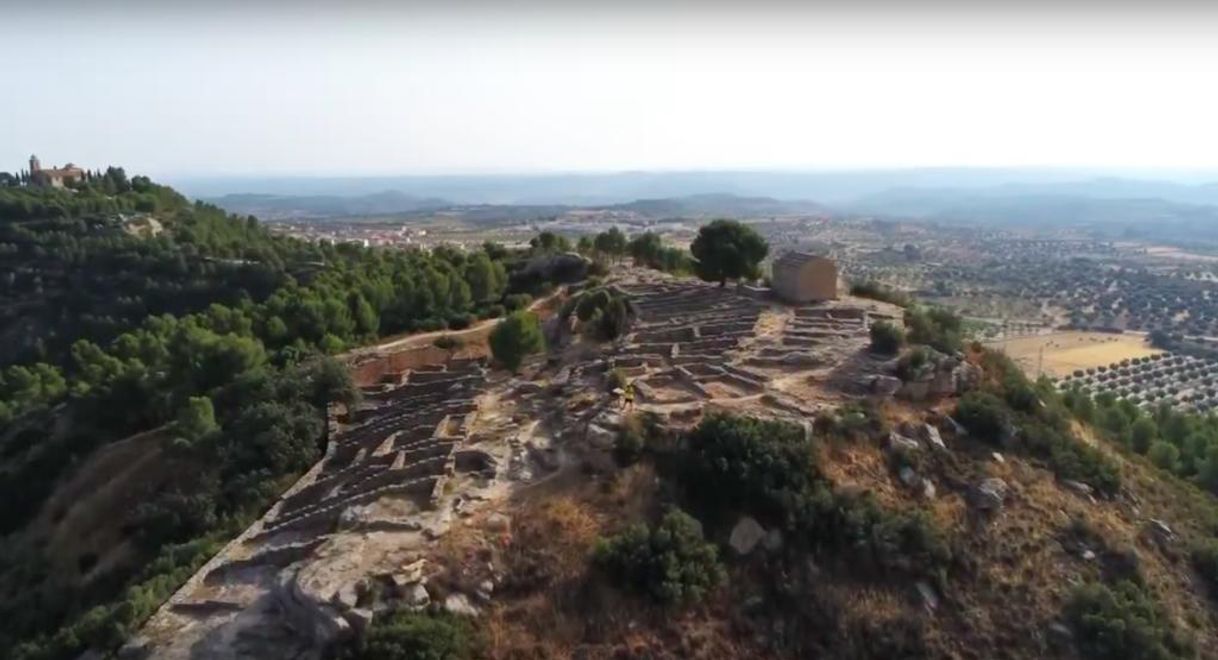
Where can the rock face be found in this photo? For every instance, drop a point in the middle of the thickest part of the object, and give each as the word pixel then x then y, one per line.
pixel 990 494
pixel 746 535
pixel 885 386
pixel 601 437
pixel 309 616
pixel 968 377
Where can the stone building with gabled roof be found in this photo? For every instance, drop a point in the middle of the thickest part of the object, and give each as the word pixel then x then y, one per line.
pixel 801 277
pixel 55 177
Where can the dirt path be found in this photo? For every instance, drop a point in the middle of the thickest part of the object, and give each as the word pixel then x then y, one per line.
pixel 413 340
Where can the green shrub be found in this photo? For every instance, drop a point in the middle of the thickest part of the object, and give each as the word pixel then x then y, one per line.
pixel 461 321
pixel 905 541
pixel 1122 621
pixel 603 313
pixel 1205 560
pixel 936 327
pixel 448 342
pixel 886 338
pixel 617 379
pixel 517 301
pixel 984 415
pixel 914 364
pixel 853 422
pixel 1164 455
pixel 418 636
pixel 877 291
pixel 631 441
pixel 672 563
pixel 765 467
pixel 516 337
pixel 768 469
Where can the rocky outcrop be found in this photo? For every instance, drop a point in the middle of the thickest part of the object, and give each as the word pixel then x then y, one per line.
pixel 990 494
pixel 746 535
pixel 309 615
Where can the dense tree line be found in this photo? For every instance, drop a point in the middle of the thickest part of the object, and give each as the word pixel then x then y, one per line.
pixel 1181 442
pixel 212 332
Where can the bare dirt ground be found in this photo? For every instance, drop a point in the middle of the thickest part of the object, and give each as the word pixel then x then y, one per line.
pixel 1064 352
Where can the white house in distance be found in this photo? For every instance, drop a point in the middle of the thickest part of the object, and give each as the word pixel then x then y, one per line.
pixel 800 277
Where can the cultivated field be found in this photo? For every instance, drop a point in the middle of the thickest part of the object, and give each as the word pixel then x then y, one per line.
pixel 1065 352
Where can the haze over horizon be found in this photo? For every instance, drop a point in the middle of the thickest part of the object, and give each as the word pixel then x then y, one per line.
pixel 270 90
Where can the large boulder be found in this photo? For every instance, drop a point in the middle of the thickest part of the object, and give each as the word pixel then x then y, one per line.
pixel 896 441
pixel 968 377
pixel 746 535
pixel 990 494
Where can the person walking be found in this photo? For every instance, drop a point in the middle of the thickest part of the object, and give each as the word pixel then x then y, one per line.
pixel 628 397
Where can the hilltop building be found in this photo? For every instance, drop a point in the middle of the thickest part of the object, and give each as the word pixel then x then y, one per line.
pixel 55 177
pixel 800 277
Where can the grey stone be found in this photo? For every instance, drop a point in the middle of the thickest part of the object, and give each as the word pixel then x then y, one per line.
pixel 908 476
pixel 458 604
pixel 746 535
pixel 601 437
pixel 968 377
pixel 609 419
pixel 928 489
pixel 933 438
pixel 360 619
pixel 1078 487
pixel 416 597
pixel 1162 533
pixel 997 457
pixel 485 589
pixel 956 427
pixel 990 494
pixel 347 596
pixel 930 599
pixel 896 440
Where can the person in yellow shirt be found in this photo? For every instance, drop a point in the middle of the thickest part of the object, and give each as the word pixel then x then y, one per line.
pixel 628 397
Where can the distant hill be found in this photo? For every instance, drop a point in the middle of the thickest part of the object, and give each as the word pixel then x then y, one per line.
pixel 1149 218
pixel 722 205
pixel 599 189
pixel 320 207
pixel 282 207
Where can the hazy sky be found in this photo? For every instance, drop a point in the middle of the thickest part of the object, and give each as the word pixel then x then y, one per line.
pixel 418 88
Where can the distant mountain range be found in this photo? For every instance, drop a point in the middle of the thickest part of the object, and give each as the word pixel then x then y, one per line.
pixel 318 207
pixel 1177 206
pixel 596 189
pixel 323 206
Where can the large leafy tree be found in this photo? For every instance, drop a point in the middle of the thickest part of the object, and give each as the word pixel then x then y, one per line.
pixel 727 250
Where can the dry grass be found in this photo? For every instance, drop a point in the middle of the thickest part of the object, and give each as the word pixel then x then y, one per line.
pixel 1065 352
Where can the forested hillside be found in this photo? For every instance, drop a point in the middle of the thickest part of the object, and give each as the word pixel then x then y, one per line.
pixel 130 309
